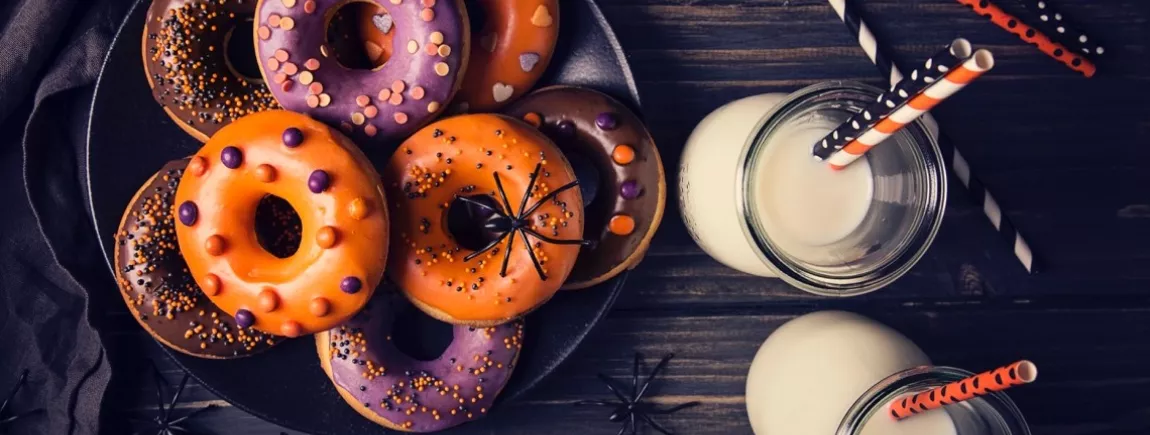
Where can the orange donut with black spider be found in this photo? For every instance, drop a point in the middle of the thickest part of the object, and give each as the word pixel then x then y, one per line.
pixel 487 221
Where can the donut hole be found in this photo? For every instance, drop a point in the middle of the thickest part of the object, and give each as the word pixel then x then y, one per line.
pixel 240 53
pixel 420 336
pixel 356 35
pixel 466 222
pixel 278 227
pixel 590 179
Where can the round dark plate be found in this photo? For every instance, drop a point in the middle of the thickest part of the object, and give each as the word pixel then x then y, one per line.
pixel 130 137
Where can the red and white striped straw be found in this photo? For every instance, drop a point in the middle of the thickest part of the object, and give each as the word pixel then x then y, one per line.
pixel 979 63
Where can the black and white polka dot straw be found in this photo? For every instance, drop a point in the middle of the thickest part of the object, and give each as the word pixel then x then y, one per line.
pixel 1055 24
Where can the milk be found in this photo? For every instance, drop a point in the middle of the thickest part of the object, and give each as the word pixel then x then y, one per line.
pixel 809 372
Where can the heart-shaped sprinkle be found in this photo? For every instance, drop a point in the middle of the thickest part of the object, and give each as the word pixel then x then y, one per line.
pixel 488 42
pixel 502 92
pixel 527 61
pixel 542 17
pixel 383 22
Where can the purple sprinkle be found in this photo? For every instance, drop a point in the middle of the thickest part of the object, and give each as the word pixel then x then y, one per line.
pixel 566 128
pixel 232 157
pixel 245 318
pixel 630 189
pixel 607 121
pixel 527 61
pixel 189 213
pixel 319 181
pixel 293 137
pixel 351 285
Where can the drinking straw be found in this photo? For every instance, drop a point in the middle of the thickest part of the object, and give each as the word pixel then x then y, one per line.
pixel 935 66
pixel 1013 25
pixel 1053 20
pixel 958 163
pixel 933 94
pixel 1022 372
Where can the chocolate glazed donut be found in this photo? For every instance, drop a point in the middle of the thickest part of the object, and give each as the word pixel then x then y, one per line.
pixel 397 391
pixel 185 49
pixel 619 170
pixel 157 287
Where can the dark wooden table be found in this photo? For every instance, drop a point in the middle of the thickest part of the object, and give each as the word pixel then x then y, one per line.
pixel 1068 158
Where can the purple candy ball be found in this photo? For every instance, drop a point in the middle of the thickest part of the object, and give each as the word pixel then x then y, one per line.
pixel 189 213
pixel 607 121
pixel 566 128
pixel 630 189
pixel 245 319
pixel 319 181
pixel 232 157
pixel 293 137
pixel 351 285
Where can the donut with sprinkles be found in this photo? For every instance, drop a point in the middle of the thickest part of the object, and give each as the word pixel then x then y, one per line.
pixel 377 106
pixel 185 49
pixel 487 219
pixel 155 282
pixel 400 392
pixel 620 172
pixel 335 191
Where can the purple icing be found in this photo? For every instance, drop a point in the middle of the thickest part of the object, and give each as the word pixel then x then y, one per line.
pixel 377 321
pixel 351 285
pixel 232 157
pixel 189 213
pixel 343 85
pixel 245 318
pixel 293 137
pixel 566 128
pixel 607 121
pixel 318 181
pixel 630 189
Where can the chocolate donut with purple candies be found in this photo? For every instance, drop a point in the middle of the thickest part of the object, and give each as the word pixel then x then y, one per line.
pixel 377 106
pixel 619 170
pixel 398 391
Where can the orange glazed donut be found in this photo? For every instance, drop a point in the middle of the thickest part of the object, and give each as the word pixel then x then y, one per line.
pixel 508 181
pixel 333 188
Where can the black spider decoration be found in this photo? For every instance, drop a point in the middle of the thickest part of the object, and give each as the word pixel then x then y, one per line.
pixel 507 225
pixel 5 419
pixel 630 409
pixel 166 423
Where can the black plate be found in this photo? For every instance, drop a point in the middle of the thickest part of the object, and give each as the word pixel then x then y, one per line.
pixel 130 137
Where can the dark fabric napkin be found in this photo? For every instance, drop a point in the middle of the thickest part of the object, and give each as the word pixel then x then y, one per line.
pixel 50 56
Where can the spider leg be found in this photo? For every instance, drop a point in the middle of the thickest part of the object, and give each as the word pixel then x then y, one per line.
pixel 611 386
pixel 480 204
pixel 634 425
pixel 597 403
pixel 489 246
pixel 659 367
pixel 548 197
pixel 507 255
pixel 159 380
pixel 673 409
pixel 534 260
pixel 557 241
pixel 502 193
pixel 635 375
pixel 623 429
pixel 530 188
pixel 15 389
pixel 657 427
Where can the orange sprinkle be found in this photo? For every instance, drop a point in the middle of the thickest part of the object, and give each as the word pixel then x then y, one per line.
pixel 534 119
pixel 622 225
pixel 623 154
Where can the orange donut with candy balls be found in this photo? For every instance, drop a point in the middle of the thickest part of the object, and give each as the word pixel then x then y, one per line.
pixel 486 222
pixel 340 202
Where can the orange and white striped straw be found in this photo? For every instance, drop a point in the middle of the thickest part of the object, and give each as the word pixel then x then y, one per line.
pixel 954 80
pixel 1022 372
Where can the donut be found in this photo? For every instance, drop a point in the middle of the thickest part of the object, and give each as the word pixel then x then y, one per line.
pixel 377 106
pixel 157 287
pixel 400 392
pixel 326 180
pixel 488 162
pixel 621 174
pixel 509 55
pixel 185 51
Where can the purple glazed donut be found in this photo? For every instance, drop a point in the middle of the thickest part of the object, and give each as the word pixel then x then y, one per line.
pixel 397 391
pixel 377 106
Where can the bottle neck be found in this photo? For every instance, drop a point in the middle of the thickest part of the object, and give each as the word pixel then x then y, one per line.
pixel 992 414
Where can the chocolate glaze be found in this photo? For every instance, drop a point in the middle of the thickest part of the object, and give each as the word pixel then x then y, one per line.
pixel 360 102
pixel 155 282
pixel 419 396
pixel 200 91
pixel 590 124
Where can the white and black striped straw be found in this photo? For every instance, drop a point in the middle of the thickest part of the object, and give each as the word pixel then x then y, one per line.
pixel 1054 20
pixel 958 164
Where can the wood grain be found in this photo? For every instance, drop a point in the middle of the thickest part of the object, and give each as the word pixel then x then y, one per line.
pixel 1065 156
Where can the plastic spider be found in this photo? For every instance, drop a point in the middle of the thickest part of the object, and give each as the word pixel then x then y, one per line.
pixel 507 225
pixel 5 419
pixel 630 409
pixel 165 423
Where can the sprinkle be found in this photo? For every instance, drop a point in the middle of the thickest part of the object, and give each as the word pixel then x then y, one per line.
pixel 623 154
pixel 370 111
pixel 542 17
pixel 427 14
pixel 312 101
pixel 287 23
pixel 444 50
pixel 319 307
pixel 362 100
pixel 324 100
pixel 400 118
pixel 315 88
pixel 358 118
pixel 215 245
pixel 281 55
pixel 384 94
pixel 290 68
pixel 279 78
pixel 309 6
pixel 370 130
pixel 398 86
pixel 442 69
pixel 268 300
pixel 534 119
pixel 311 64
pixel 621 225
pixel 273 64
pixel 306 77
pixel 436 37
pixel 274 20
pixel 412 46
pixel 527 61
pixel 289 3
pixel 433 107
pixel 326 237
pixel 396 99
pixel 265 173
pixel 264 33
pixel 418 93
pixel 358 209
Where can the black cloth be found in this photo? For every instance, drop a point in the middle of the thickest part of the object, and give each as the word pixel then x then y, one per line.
pixel 50 56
